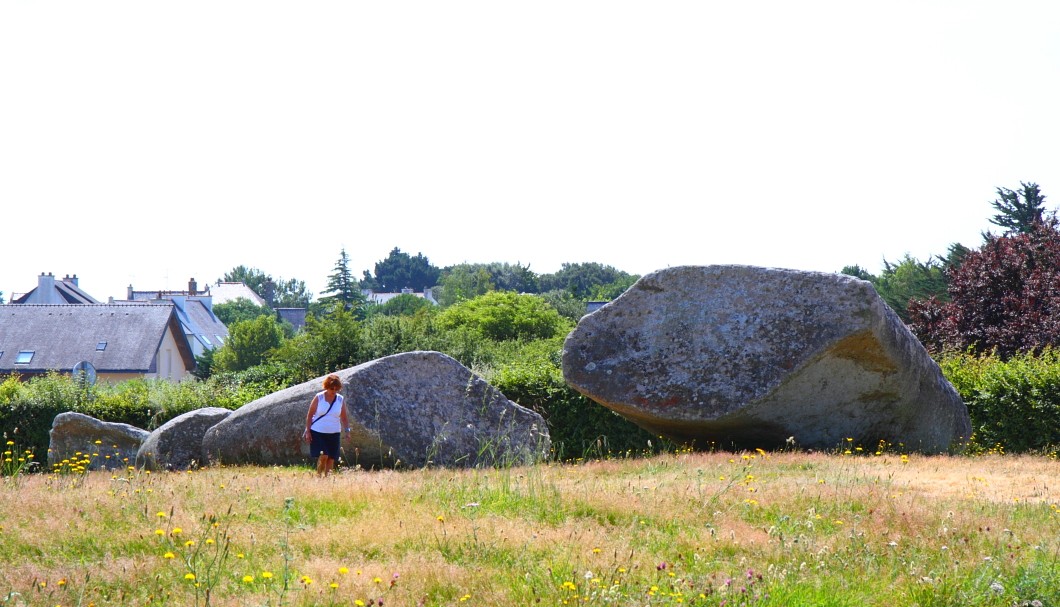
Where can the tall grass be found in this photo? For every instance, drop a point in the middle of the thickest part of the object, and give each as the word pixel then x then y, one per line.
pixel 674 529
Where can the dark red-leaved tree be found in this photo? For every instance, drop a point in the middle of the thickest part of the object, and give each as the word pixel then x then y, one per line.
pixel 1004 296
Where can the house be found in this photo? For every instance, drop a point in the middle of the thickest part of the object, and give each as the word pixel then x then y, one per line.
pixel 117 341
pixel 194 310
pixel 51 291
pixel 225 292
pixel 382 298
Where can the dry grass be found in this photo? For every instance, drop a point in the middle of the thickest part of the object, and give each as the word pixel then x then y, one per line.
pixel 686 528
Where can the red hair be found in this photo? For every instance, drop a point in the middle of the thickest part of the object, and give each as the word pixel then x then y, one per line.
pixel 332 382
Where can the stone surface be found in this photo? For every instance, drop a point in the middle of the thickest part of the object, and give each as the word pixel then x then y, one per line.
pixel 410 409
pixel 177 444
pixel 746 357
pixel 74 433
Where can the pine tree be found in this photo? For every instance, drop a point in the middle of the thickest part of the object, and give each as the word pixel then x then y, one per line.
pixel 1019 211
pixel 343 288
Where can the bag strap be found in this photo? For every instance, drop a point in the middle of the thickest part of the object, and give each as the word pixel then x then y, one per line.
pixel 324 414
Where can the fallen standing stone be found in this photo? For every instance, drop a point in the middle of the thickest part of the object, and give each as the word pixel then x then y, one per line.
pixel 749 357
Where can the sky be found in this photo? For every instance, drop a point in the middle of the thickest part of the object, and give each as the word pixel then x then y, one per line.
pixel 145 143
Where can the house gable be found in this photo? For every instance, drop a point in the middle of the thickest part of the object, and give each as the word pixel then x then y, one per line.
pixel 119 340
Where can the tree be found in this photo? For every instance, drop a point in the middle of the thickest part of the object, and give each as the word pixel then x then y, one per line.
pixel 240 309
pixel 254 278
pixel 248 343
pixel 581 279
pixel 1005 296
pixel 343 289
pixel 326 344
pixel 401 271
pixel 405 304
pixel 504 315
pixel 1 297
pixel 911 279
pixel 1019 211
pixel 462 282
pixel 858 272
pixel 290 293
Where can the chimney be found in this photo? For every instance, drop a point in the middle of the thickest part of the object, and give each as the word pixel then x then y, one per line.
pixel 129 293
pixel 70 279
pixel 46 289
pixel 192 286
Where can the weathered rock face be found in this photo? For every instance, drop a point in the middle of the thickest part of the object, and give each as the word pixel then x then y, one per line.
pixel 409 409
pixel 746 357
pixel 177 444
pixel 74 433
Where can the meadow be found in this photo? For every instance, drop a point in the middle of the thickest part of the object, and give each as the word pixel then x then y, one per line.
pixel 858 526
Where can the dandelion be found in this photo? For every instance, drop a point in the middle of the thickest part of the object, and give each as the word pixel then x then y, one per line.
pixel 247 579
pixel 168 555
pixel 176 531
pixel 376 580
pixel 189 576
pixel 343 570
pixel 333 585
pixel 209 541
pixel 441 519
pixel 61 582
pixel 189 543
pixel 240 555
pixel 359 603
pixel 306 580
pixel 159 532
pixel 161 515
pixel 266 575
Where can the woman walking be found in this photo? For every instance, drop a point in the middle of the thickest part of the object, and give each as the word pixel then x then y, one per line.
pixel 324 424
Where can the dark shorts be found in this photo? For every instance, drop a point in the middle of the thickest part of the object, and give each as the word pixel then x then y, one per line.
pixel 324 443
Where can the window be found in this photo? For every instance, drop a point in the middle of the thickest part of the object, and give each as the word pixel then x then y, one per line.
pixel 1 353
pixel 205 341
pixel 220 339
pixel 24 357
pixel 101 346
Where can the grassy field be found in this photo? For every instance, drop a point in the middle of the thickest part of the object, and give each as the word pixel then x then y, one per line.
pixel 677 529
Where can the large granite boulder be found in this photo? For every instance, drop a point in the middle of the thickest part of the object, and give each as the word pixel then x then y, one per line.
pixel 748 357
pixel 76 437
pixel 410 409
pixel 177 444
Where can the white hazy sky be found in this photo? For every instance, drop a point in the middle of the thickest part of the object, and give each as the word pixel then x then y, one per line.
pixel 146 142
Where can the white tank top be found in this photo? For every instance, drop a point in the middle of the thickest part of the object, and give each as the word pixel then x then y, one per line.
pixel 330 423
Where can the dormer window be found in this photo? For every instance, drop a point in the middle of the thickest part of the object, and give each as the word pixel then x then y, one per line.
pixel 101 346
pixel 24 357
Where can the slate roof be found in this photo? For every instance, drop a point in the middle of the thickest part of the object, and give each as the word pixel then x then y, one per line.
pixel 202 324
pixel 59 291
pixel 63 335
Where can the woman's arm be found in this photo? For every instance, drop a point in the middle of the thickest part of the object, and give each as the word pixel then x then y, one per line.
pixel 309 416
pixel 343 419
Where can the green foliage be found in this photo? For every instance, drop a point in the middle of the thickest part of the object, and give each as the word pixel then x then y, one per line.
pixel 344 291
pixel 568 306
pixel 503 315
pixel 462 282
pixel 911 279
pixel 405 304
pixel 27 409
pixel 858 272
pixel 584 279
pixel 1013 403
pixel 578 426
pixel 1019 211
pixel 249 341
pixel 326 344
pixel 289 293
pixel 238 310
pixel 402 271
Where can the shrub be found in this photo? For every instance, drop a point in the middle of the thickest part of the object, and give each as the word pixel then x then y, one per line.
pixel 1013 403
pixel 578 426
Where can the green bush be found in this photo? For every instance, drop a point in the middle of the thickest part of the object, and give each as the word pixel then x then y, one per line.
pixel 27 409
pixel 578 426
pixel 1014 404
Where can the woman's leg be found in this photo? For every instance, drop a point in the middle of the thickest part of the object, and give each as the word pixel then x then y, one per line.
pixel 322 464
